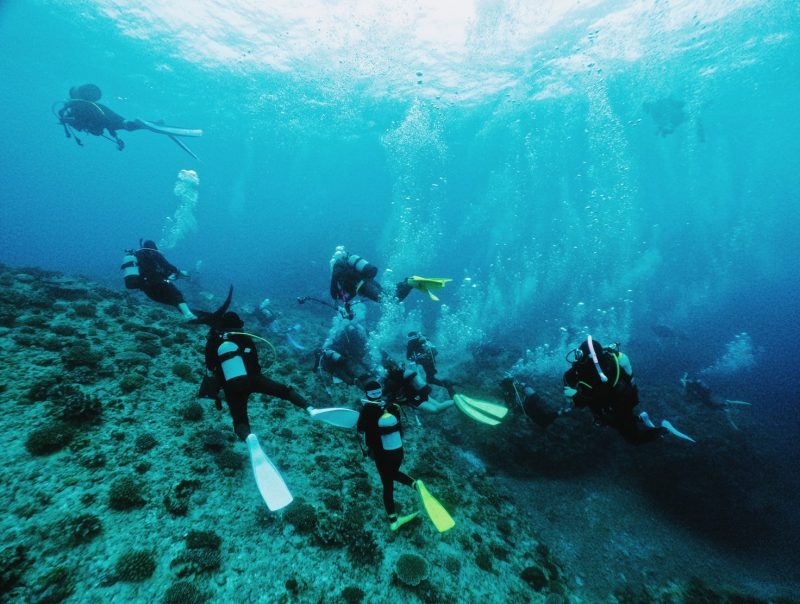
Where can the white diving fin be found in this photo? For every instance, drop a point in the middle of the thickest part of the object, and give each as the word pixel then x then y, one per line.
pixel 336 416
pixel 270 483
pixel 675 432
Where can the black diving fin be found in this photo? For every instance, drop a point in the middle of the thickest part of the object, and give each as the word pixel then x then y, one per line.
pixel 212 318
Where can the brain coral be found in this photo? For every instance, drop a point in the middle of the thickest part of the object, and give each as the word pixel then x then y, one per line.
pixel 411 569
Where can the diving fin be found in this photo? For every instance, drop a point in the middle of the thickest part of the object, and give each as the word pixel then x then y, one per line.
pixel 212 318
pixel 675 432
pixel 426 284
pixel 336 416
pixel 494 409
pixel 481 411
pixel 402 520
pixel 170 130
pixel 646 419
pixel 270 483
pixel 435 510
pixel 183 146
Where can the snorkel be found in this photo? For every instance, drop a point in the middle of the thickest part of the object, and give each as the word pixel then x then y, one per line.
pixel 595 360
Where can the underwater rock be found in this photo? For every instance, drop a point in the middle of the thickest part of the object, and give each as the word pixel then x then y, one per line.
pixel 13 561
pixel 49 438
pixel 54 586
pixel 81 528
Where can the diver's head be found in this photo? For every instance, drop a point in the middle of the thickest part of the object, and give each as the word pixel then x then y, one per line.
pixel 373 390
pixel 149 244
pixel 85 92
pixel 389 363
pixel 230 320
pixel 585 349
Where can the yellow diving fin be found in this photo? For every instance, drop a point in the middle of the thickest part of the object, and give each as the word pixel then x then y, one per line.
pixel 435 510
pixel 481 411
pixel 426 284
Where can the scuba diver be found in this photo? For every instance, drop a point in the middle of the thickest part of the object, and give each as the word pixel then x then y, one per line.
pixel 83 113
pixel 382 426
pixel 533 406
pixel 420 350
pixel 231 357
pixel 148 270
pixel 344 354
pixel 697 392
pixel 383 432
pixel 602 379
pixel 405 386
pixel 351 275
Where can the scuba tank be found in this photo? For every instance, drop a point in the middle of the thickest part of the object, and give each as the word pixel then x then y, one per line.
pixel 414 379
pixel 363 267
pixel 390 432
pixel 231 361
pixel 130 266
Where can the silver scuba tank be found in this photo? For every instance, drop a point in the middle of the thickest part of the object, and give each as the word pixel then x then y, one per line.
pixel 390 439
pixel 362 266
pixel 130 268
pixel 417 383
pixel 232 361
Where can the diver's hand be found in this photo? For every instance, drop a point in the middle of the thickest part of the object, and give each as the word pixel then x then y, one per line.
pixel 569 392
pixel 184 274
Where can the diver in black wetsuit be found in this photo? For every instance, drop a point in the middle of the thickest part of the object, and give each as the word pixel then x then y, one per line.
pixel 602 380
pixel 420 350
pixel 405 386
pixel 148 270
pixel 383 431
pixel 533 405
pixel 344 354
pixel 351 275
pixel 232 358
pixel 83 113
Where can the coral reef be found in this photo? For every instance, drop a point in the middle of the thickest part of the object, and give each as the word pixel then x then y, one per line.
pixel 411 569
pixel 49 438
pixel 125 494
pixel 81 385
pixel 134 566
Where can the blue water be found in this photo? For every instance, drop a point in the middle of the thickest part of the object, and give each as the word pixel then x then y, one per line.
pixel 518 150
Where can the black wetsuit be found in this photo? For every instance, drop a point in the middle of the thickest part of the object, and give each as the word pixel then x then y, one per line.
pixel 612 402
pixel 154 273
pixel 94 118
pixel 533 405
pixel 399 388
pixel 238 390
pixel 421 351
pixel 347 282
pixel 343 355
pixel 387 462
